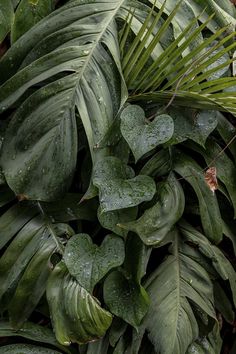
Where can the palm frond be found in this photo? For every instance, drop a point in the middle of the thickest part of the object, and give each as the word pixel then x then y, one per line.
pixel 178 77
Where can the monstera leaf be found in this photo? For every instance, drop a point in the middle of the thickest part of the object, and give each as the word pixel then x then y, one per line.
pixel 176 289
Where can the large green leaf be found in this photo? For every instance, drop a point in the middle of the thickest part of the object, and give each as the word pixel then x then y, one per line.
pixel 209 208
pixel 28 13
pixel 178 286
pixel 157 221
pixel 117 188
pixel 89 263
pixel 141 136
pixel 76 315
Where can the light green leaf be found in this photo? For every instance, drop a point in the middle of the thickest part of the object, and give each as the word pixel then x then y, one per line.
pixel 6 18
pixel 175 288
pixel 76 315
pixel 117 190
pixel 156 222
pixel 110 219
pixel 89 263
pixel 27 14
pixel 125 298
pixel 142 136
pixel 192 124
pixel 209 208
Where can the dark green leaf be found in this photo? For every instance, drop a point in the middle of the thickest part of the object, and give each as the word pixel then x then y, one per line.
pixel 89 263
pixel 125 298
pixel 142 136
pixel 117 190
pixel 209 208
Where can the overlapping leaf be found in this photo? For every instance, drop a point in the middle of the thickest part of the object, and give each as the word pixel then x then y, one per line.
pixel 77 316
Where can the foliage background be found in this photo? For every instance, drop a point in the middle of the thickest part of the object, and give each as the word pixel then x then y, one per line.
pixel 111 112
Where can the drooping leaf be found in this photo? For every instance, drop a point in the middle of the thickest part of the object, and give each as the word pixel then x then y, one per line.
pixel 223 303
pixel 76 315
pixel 176 287
pixel 117 188
pixel 28 13
pixel 89 263
pixel 209 208
pixel 142 136
pixel 156 222
pixel 125 298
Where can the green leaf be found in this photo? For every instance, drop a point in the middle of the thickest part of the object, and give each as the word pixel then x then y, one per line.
pixel 223 303
pixel 192 124
pixel 69 208
pixel 157 221
pixel 13 220
pixel 211 344
pixel 158 165
pixel 176 288
pixel 6 18
pixel 26 349
pixel 125 298
pixel 31 331
pixel 110 219
pixel 89 263
pixel 209 208
pixel 76 315
pixel 221 264
pixel 6 195
pixel 142 136
pixel 40 162
pixel 28 13
pixel 117 190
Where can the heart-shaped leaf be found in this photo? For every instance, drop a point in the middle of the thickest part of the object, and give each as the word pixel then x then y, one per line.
pixel 125 298
pixel 117 188
pixel 89 263
pixel 191 124
pixel 141 136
